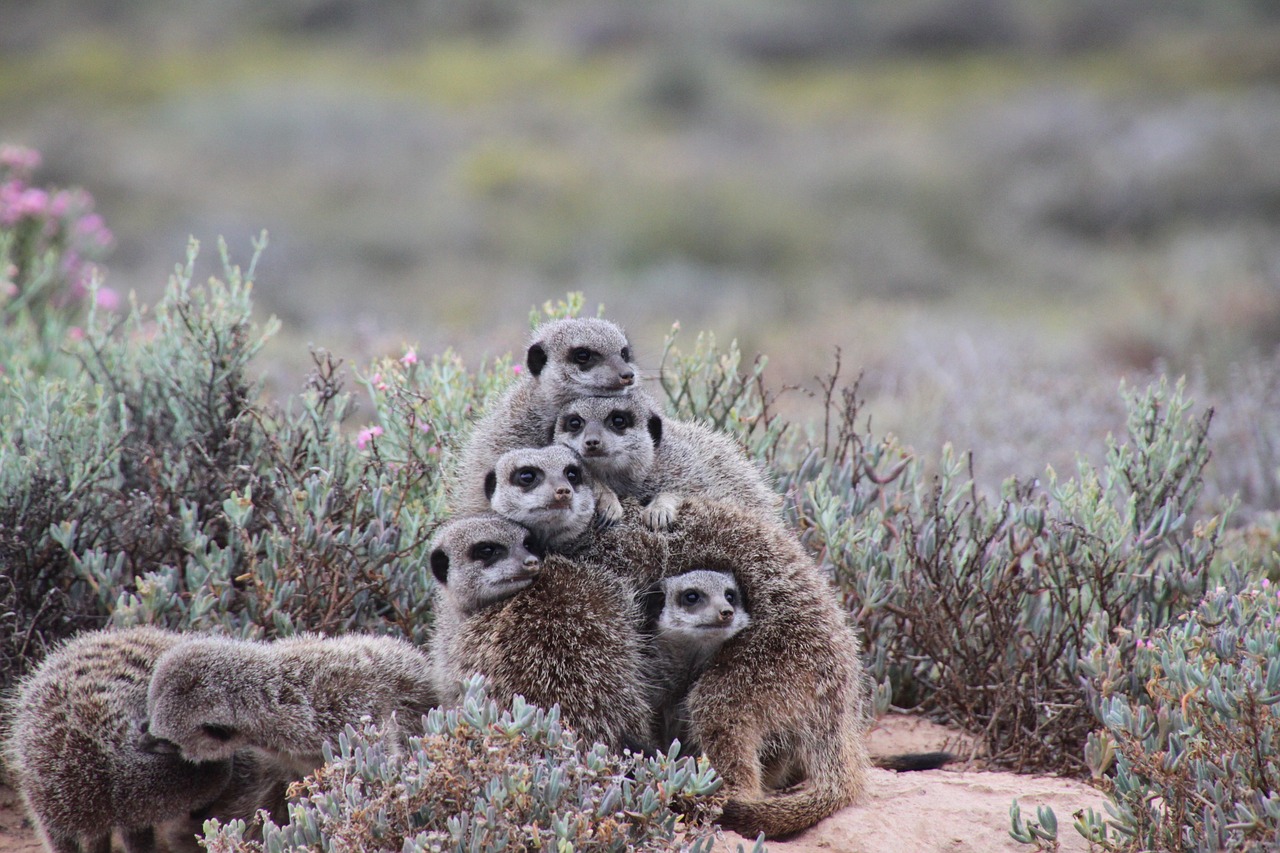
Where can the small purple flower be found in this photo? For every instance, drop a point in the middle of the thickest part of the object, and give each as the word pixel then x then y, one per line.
pixel 108 299
pixel 410 357
pixel 19 158
pixel 366 435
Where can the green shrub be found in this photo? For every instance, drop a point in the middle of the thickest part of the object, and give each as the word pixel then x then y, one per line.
pixel 484 778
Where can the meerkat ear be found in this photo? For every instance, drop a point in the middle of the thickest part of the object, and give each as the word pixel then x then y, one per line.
pixel 440 565
pixel 536 359
pixel 655 429
pixel 653 600
pixel 490 484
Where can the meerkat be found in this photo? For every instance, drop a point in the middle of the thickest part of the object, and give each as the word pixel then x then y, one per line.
pixel 786 700
pixel 571 636
pixel 698 612
pixel 546 489
pixel 565 359
pixel 75 747
pixel 632 450
pixel 286 698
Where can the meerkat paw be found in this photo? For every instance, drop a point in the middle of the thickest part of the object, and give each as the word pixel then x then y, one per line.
pixel 661 511
pixel 608 508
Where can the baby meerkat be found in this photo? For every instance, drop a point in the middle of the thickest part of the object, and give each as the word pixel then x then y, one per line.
pixel 633 451
pixel 546 489
pixel 700 611
pixel 570 637
pixel 75 747
pixel 565 359
pixel 214 696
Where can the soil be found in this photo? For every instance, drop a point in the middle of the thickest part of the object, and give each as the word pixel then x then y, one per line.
pixel 956 809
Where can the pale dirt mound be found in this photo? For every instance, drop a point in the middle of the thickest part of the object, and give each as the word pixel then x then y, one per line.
pixel 956 811
pixel 937 810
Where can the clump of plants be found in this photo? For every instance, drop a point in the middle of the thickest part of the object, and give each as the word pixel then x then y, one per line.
pixel 51 241
pixel 488 778
pixel 1190 731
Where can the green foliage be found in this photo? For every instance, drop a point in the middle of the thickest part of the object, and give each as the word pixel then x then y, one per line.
pixel 485 778
pixel 985 608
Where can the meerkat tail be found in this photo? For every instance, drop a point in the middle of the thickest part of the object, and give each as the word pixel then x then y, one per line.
pixel 911 761
pixel 782 815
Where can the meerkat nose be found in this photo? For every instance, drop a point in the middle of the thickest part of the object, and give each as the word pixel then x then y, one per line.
pixel 531 562
pixel 592 443
pixel 563 492
pixel 726 615
pixel 626 377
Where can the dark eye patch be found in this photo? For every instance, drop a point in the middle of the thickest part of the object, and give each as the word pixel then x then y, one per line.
pixel 626 354
pixel 621 420
pixel 690 596
pixel 527 477
pixel 584 357
pixel 573 474
pixel 487 553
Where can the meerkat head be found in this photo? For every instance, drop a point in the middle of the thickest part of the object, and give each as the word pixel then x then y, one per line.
pixel 616 436
pixel 701 610
pixel 483 559
pixel 195 700
pixel 546 489
pixel 586 355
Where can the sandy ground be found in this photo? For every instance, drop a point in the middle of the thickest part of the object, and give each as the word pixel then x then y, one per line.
pixel 952 810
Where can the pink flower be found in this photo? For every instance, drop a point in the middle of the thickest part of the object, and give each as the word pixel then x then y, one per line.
pixel 107 299
pixel 517 369
pixel 410 357
pixel 376 379
pixel 366 435
pixel 19 158
pixel 75 333
pixel 425 426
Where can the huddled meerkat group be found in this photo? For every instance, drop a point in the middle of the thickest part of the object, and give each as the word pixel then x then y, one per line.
pixel 600 555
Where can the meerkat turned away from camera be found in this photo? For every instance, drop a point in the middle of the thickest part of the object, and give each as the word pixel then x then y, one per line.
pixel 546 489
pixel 75 747
pixel 634 451
pixel 285 698
pixel 570 636
pixel 566 359
pixel 700 612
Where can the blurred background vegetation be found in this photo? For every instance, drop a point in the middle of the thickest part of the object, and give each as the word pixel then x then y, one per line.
pixel 996 209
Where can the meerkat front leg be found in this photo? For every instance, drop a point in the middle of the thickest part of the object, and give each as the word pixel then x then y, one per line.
pixel 661 512
pixel 608 507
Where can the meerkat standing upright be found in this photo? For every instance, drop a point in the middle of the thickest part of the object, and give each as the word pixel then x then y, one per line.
pixel 566 359
pixel 634 451
pixel 554 631
pixel 75 747
pixel 214 696
pixel 700 611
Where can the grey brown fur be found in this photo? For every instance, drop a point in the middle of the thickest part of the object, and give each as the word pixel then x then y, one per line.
pixel 700 611
pixel 75 748
pixel 546 489
pixel 786 700
pixel 285 698
pixel 571 637
pixel 634 451
pixel 565 359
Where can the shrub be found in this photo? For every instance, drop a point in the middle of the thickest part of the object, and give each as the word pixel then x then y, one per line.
pixel 50 240
pixel 484 778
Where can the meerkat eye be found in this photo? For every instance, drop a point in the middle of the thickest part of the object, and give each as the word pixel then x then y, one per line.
pixel 581 355
pixel 626 353
pixel 526 478
pixel 730 596
pixel 488 552
pixel 534 547
pixel 573 474
pixel 573 423
pixel 222 734
pixel 690 596
pixel 620 420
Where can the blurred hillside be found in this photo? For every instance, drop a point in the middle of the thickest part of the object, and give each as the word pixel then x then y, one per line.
pixel 996 207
